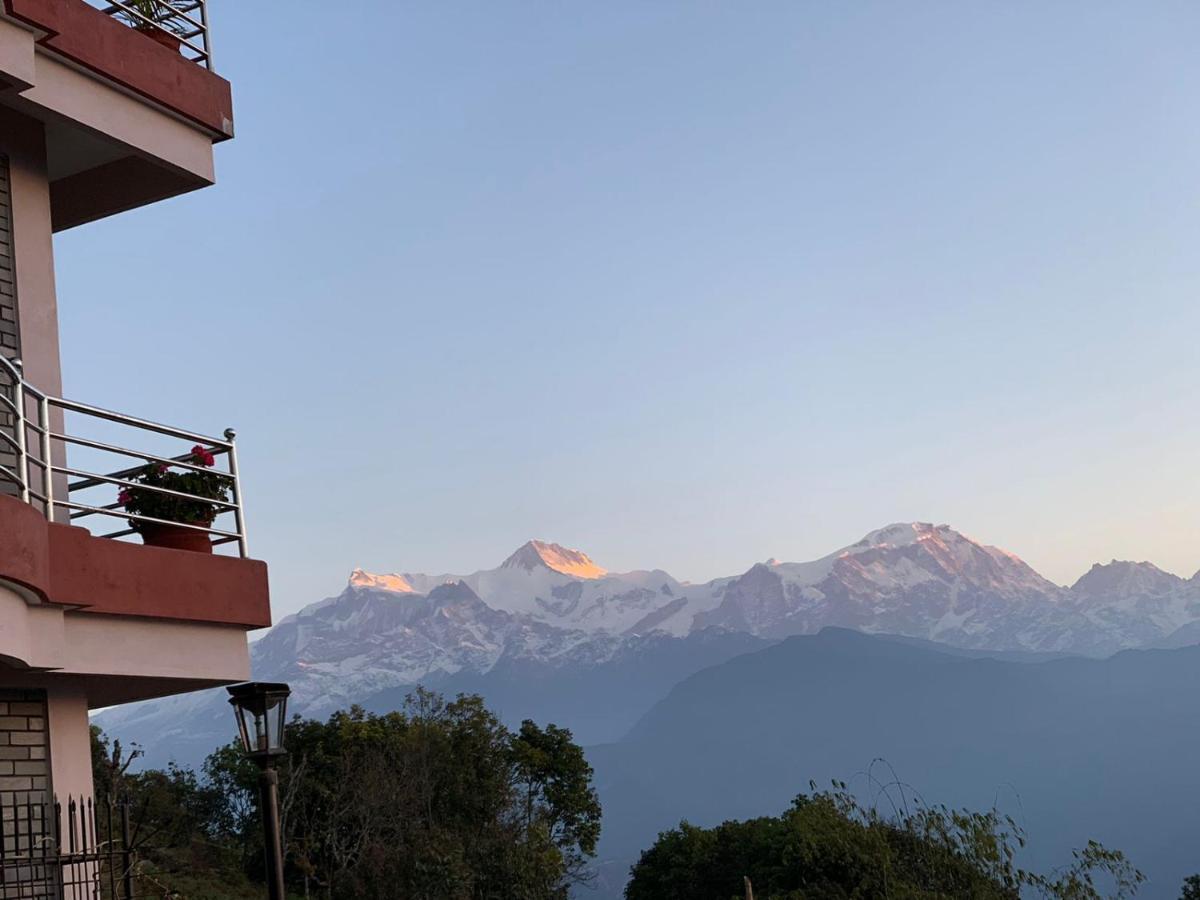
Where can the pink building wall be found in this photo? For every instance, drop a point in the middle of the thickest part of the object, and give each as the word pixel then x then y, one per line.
pixel 96 119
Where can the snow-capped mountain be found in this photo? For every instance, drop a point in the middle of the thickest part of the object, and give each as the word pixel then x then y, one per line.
pixel 1138 602
pixel 1124 581
pixel 549 615
pixel 915 579
pixel 534 555
pixel 548 583
pixel 371 639
pixel 918 580
pixel 549 602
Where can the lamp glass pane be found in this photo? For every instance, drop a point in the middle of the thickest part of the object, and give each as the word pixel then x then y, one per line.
pixel 276 713
pixel 242 733
pixel 262 737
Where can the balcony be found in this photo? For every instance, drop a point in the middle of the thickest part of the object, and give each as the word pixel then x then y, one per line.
pixel 181 23
pixel 117 97
pixel 34 442
pixel 70 535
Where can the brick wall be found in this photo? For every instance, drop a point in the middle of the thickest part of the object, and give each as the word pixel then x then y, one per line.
pixel 24 795
pixel 24 765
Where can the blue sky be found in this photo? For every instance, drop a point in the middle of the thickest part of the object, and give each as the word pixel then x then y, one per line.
pixel 685 285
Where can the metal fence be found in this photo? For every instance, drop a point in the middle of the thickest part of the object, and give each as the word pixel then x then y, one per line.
pixel 81 851
pixel 184 20
pixel 36 430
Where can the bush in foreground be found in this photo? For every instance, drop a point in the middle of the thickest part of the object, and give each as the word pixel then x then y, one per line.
pixel 828 847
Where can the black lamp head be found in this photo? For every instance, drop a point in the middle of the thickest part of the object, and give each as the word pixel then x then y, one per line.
pixel 261 709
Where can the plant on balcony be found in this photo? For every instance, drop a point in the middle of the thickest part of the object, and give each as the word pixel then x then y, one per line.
pixel 157 19
pixel 205 487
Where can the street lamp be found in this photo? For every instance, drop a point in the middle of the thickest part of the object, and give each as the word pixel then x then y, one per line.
pixel 261 709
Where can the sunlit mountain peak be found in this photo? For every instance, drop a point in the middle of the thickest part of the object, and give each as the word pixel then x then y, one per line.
pixel 392 582
pixel 533 554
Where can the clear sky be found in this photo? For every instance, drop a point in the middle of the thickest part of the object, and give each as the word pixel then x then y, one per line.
pixel 683 284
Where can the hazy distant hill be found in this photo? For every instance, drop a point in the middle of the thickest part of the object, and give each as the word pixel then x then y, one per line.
pixel 599 701
pixel 1072 748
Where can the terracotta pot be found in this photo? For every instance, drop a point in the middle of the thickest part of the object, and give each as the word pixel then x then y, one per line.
pixel 166 38
pixel 175 537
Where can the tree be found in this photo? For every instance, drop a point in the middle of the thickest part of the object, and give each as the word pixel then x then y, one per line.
pixel 110 766
pixel 437 800
pixel 555 782
pixel 1191 888
pixel 828 847
pixel 233 778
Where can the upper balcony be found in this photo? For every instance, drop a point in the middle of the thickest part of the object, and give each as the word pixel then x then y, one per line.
pixel 125 96
pixel 83 484
pixel 179 25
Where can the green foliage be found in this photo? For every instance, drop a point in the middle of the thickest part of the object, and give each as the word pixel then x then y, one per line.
pixel 558 799
pixel 1191 888
pixel 438 800
pixel 212 485
pixel 828 847
pixel 171 812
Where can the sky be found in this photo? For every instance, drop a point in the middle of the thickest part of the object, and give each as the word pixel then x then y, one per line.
pixel 685 285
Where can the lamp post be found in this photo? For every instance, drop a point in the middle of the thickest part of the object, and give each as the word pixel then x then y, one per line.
pixel 261 710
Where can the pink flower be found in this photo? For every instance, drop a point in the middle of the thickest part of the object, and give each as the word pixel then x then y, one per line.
pixel 202 456
pixel 124 496
pixel 162 468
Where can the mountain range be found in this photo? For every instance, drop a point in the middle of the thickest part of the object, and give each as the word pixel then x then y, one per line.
pixel 978 680
pixel 550 634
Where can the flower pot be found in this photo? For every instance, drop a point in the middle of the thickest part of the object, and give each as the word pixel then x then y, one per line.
pixel 174 537
pixel 166 38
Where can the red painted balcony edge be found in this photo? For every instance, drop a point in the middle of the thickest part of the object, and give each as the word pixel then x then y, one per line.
pixel 66 565
pixel 96 41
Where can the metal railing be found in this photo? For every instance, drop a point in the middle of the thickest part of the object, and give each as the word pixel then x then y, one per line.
pixel 184 20
pixel 81 851
pixel 34 438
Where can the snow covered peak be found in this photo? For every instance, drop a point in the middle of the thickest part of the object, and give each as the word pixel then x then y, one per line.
pixel 904 534
pixel 943 553
pixel 395 583
pixel 1121 579
pixel 939 540
pixel 539 554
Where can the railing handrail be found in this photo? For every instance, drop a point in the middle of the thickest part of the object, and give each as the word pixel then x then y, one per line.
pixel 47 462
pixel 169 430
pixel 178 462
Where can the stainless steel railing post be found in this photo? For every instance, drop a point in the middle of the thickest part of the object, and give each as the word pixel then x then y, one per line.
pixel 238 512
pixel 207 37
pixel 19 428
pixel 48 452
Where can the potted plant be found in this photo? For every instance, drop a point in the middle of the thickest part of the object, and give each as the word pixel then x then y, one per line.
pixel 211 486
pixel 157 19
